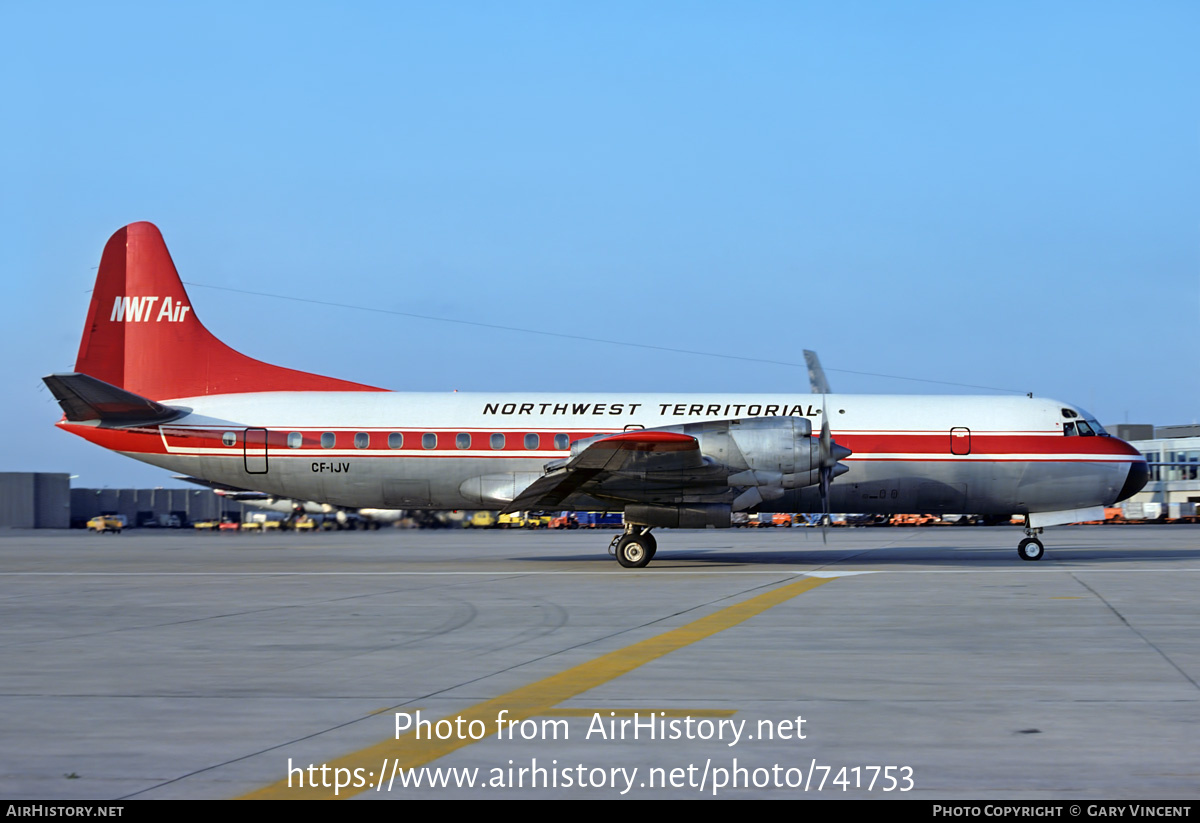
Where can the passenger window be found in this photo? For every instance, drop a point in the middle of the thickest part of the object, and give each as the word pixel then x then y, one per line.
pixel 531 441
pixel 362 440
pixel 462 440
pixel 295 440
pixel 327 440
pixel 395 440
pixel 562 442
pixel 429 440
pixel 229 438
pixel 497 440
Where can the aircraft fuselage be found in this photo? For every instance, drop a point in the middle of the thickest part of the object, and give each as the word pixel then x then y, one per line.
pixel 929 454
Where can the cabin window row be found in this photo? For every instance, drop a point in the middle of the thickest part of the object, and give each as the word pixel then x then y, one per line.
pixel 429 440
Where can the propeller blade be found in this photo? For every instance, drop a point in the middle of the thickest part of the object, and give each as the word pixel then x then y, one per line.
pixel 826 479
pixel 826 442
pixel 826 462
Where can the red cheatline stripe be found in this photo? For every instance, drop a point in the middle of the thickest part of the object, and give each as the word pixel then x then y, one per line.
pixel 878 446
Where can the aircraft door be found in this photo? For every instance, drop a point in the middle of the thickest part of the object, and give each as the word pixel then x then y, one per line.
pixel 960 440
pixel 255 451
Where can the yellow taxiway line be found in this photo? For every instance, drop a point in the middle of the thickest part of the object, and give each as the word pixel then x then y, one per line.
pixel 536 699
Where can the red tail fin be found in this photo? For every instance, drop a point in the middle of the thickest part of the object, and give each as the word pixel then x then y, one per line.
pixel 143 336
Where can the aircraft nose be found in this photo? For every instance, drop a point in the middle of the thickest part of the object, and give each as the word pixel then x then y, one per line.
pixel 1139 474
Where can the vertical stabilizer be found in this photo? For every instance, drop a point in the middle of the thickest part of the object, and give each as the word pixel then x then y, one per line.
pixel 143 336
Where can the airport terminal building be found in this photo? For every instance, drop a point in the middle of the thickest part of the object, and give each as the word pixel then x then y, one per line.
pixel 1173 453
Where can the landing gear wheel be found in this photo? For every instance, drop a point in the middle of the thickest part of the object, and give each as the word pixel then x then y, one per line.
pixel 635 550
pixel 1031 549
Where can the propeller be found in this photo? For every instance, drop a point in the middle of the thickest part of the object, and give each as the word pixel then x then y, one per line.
pixel 828 455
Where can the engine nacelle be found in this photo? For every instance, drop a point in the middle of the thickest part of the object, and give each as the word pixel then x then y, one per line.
pixel 688 516
pixel 777 453
pixel 765 456
pixel 748 461
pixel 760 451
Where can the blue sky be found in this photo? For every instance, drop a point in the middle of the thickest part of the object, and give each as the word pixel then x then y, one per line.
pixel 999 194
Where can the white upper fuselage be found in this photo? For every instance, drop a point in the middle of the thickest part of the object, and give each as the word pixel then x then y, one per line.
pixel 615 411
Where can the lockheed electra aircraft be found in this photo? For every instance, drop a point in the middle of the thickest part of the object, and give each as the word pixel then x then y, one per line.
pixel 152 383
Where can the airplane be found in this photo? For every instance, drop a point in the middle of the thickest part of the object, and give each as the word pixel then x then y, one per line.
pixel 152 383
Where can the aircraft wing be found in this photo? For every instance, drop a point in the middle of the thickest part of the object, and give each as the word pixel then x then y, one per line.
pixel 604 460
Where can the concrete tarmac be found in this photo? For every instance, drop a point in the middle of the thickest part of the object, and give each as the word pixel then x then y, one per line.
pixel 923 663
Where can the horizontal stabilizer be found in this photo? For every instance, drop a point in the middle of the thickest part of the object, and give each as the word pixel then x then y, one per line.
pixel 84 398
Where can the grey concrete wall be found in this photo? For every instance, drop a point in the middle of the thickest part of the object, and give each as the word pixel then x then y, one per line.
pixel 17 500
pixel 34 500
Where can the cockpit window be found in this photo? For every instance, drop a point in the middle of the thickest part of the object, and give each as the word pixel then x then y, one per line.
pixel 1083 428
pixel 1081 424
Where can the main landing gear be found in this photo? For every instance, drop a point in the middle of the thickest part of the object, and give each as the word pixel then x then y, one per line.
pixel 635 548
pixel 1031 548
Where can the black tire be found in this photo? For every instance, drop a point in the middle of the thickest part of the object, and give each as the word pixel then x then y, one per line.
pixel 634 551
pixel 1031 549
